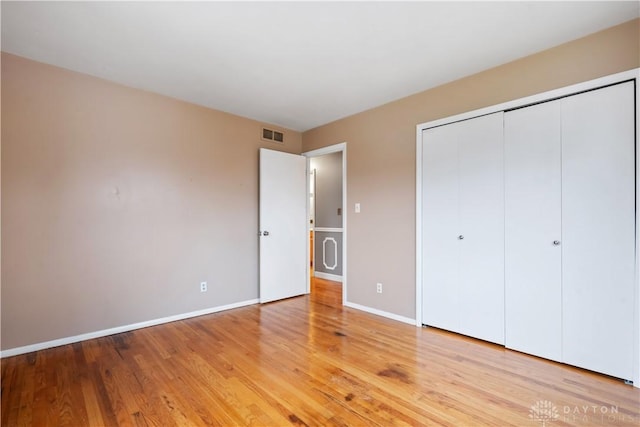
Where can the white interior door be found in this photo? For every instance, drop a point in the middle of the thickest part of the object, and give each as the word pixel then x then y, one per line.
pixel 481 224
pixel 283 225
pixel 598 227
pixel 533 261
pixel 440 228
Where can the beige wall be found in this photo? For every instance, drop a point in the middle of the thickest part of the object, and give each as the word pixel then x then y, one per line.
pixel 381 154
pixel 117 202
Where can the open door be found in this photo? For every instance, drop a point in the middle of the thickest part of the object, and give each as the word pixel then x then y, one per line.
pixel 283 225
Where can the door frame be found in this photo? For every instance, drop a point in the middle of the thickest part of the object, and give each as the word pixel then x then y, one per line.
pixel 633 74
pixel 336 148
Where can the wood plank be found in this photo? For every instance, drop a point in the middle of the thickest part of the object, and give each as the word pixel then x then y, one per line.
pixel 302 361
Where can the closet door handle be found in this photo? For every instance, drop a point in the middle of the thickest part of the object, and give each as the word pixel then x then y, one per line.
pixel 556 242
pixel 460 237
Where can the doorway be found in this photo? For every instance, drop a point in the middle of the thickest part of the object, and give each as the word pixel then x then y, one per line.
pixel 327 215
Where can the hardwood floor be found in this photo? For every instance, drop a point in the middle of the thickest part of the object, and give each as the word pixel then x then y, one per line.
pixel 302 361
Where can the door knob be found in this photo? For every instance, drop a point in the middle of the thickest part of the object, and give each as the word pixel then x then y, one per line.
pixel 460 237
pixel 556 242
pixel 265 233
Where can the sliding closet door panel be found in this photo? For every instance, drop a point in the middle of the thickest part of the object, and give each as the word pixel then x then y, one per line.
pixel 598 203
pixel 440 227
pixel 533 288
pixel 481 285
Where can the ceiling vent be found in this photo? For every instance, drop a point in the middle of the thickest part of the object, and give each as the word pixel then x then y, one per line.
pixel 272 135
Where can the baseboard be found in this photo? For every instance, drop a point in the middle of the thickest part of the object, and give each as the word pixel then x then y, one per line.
pixel 126 328
pixel 328 276
pixel 381 313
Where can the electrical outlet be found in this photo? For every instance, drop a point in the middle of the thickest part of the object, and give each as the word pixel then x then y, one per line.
pixel 203 286
pixel 379 288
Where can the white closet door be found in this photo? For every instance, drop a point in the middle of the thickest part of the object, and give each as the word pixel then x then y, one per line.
pixel 598 202
pixel 440 227
pixel 533 288
pixel 481 282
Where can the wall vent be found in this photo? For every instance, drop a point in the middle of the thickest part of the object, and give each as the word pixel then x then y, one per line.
pixel 272 135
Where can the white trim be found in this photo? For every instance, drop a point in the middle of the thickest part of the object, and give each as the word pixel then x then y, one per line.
pixel 341 147
pixel 326 150
pixel 344 221
pixel 636 364
pixel 419 226
pixel 521 102
pixel 328 229
pixel 119 329
pixel 311 233
pixel 328 276
pixel 324 253
pixel 380 313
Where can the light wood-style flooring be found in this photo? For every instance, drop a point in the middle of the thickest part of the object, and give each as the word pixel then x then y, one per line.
pixel 302 361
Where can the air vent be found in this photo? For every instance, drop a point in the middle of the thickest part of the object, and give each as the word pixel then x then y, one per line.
pixel 272 135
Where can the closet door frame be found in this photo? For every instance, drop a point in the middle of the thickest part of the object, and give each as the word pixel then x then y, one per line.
pixel 521 102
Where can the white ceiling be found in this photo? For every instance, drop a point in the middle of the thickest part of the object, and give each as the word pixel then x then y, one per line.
pixel 294 64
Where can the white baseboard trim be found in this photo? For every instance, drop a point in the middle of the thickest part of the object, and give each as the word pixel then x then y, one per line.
pixel 126 328
pixel 381 313
pixel 328 276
